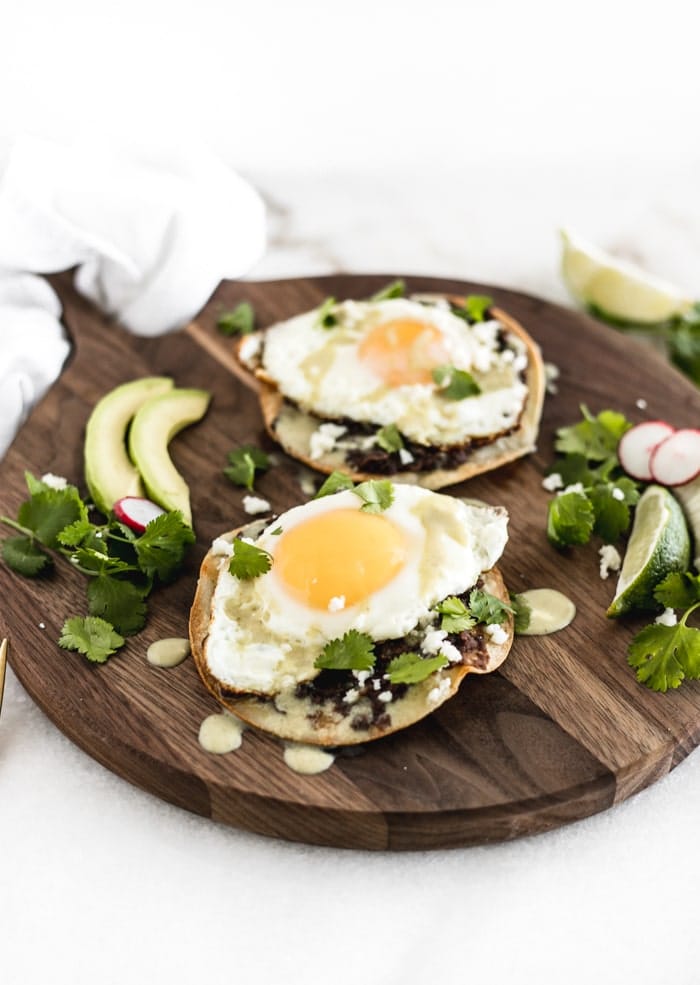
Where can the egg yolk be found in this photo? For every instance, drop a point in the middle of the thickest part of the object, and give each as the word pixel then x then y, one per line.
pixel 344 554
pixel 403 351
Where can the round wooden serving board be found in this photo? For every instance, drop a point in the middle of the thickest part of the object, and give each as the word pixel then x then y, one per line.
pixel 561 731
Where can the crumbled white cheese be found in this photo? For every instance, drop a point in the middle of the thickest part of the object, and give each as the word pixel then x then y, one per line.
pixel 440 691
pixel 451 653
pixel 618 494
pixel 552 482
pixel 255 504
pixel 641 403
pixel 405 456
pixel 54 481
pixel 324 438
pixel 574 487
pixel 249 349
pixel 377 684
pixel 385 696
pixel 221 546
pixel 610 560
pixel 433 641
pixel 307 482
pixel 497 633
pixel 361 676
pixel 337 603
pixel 667 618
pixel 351 696
pixel 551 373
pixel 42 625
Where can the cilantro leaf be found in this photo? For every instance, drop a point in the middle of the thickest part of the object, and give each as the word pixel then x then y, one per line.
pixel 572 468
pixel 24 556
pixel 336 482
pixel 248 561
pixel 243 464
pixel 377 495
pixel 570 519
pixel 353 651
pixel 684 343
pixel 240 321
pixel 474 309
pixel 455 384
pixel 96 561
pixel 389 438
pixel 119 602
pixel 487 608
pixel 411 668
pixel 664 656
pixel 326 317
pixel 522 611
pixel 91 636
pixel 611 515
pixel 395 289
pixel 161 547
pixel 75 533
pixel 678 590
pixel 596 438
pixel 455 615
pixel 47 512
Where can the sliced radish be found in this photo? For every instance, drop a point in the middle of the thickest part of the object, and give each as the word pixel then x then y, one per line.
pixel 677 459
pixel 637 445
pixel 136 512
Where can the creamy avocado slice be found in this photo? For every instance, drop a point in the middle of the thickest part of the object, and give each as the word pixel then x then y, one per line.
pixel 156 422
pixel 109 473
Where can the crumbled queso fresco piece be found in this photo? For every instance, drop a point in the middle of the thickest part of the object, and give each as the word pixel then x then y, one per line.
pixel 433 641
pixel 440 691
pixel 324 438
pixel 617 494
pixel 337 603
pixel 385 696
pixel 610 560
pixel 667 618
pixel 405 456
pixel 222 547
pixel 641 403
pixel 255 504
pixel 54 481
pixel 551 374
pixel 574 487
pixel 552 482
pixel 497 633
pixel 351 696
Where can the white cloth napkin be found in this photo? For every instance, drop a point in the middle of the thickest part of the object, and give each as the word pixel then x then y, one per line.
pixel 151 235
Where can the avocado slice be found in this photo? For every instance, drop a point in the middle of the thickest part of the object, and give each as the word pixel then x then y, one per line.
pixel 108 471
pixel 156 422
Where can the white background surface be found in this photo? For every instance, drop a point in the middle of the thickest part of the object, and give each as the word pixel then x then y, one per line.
pixel 438 137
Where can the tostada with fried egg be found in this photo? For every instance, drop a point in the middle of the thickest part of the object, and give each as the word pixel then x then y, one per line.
pixel 353 615
pixel 423 389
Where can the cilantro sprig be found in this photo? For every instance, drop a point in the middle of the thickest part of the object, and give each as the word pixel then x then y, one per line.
pixel 122 567
pixel 377 495
pixel 353 651
pixel 664 656
pixel 243 463
pixel 395 289
pixel 239 321
pixel 483 608
pixel 389 438
pixel 412 668
pixel 474 309
pixel 455 384
pixel 248 561
pixel 598 495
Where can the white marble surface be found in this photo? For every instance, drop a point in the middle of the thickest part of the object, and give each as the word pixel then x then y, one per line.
pixel 444 138
pixel 103 883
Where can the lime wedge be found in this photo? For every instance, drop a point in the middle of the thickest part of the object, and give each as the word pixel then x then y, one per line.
pixel 659 544
pixel 616 290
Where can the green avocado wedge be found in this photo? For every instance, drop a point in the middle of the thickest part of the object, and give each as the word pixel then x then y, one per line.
pixel 156 422
pixel 109 473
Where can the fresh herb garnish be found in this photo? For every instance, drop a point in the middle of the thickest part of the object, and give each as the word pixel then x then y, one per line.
pixel 601 497
pixel 91 636
pixel 395 289
pixel 456 617
pixel 411 668
pixel 248 561
pixel 244 462
pixel 121 566
pixel 474 309
pixel 336 482
pixel 389 438
pixel 353 651
pixel 377 495
pixel 678 590
pixel 240 321
pixel 276 532
pixel 327 317
pixel 487 608
pixel 665 656
pixel 455 384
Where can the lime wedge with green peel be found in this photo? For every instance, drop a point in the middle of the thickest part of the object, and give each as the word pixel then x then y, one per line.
pixel 616 290
pixel 659 544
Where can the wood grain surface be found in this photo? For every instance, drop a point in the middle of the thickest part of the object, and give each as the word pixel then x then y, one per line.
pixel 561 731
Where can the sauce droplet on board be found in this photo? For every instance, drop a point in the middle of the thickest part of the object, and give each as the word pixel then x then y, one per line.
pixel 220 734
pixel 550 611
pixel 307 759
pixel 168 652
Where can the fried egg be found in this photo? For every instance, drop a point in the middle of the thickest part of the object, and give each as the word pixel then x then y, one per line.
pixel 336 567
pixel 375 364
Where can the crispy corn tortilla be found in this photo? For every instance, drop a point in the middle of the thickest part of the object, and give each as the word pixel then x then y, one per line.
pixel 292 427
pixel 302 720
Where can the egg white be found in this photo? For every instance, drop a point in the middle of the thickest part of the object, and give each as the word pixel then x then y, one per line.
pixel 261 639
pixel 320 370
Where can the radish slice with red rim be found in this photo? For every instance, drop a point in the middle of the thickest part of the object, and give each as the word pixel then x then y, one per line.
pixel 136 512
pixel 637 445
pixel 677 459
